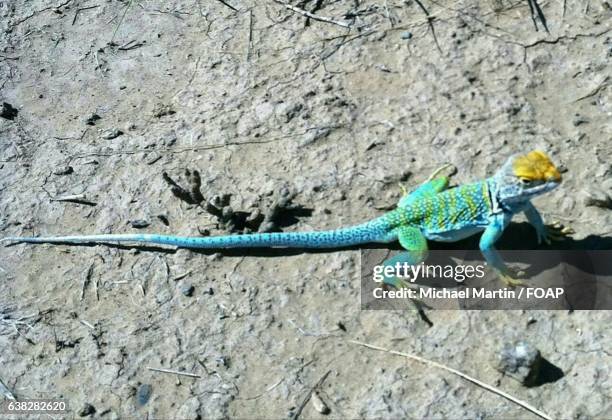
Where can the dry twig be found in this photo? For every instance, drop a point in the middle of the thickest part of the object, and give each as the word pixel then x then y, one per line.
pixel 461 374
pixel 175 372
pixel 536 11
pixel 127 6
pixel 313 16
pixel 86 279
pixel 270 388
pixel 6 392
pixel 228 5
pixel 430 20
pixel 309 395
pixel 75 198
pixel 604 84
pixel 79 10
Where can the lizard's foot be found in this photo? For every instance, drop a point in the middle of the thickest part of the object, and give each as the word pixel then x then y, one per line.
pixel 555 232
pixel 452 171
pixel 403 189
pixel 558 231
pixel 511 280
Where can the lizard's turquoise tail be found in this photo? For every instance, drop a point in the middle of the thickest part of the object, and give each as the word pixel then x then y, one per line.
pixel 373 231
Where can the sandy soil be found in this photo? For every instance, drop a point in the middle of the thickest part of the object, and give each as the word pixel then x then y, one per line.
pixel 262 101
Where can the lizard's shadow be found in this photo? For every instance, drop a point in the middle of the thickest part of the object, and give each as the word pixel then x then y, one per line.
pixel 521 237
pixel 582 267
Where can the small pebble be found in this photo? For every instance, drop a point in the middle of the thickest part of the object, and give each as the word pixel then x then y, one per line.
pixel 223 360
pixel 562 169
pixel 152 158
pixel 143 394
pixel 292 112
pixel 595 197
pixel 520 361
pixel 160 110
pixel 406 35
pixel 139 224
pixel 319 404
pixel 227 212
pixel 169 138
pixel 63 170
pixel 255 215
pixel 91 120
pixel 187 289
pixel 112 134
pixel 8 111
pixel 87 410
pixel 579 120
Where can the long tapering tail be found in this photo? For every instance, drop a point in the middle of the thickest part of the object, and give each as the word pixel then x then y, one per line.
pixel 373 231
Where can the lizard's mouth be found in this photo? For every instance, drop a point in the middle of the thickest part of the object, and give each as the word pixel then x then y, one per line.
pixel 545 187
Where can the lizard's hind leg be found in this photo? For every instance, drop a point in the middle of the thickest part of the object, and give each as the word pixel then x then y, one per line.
pixel 413 241
pixel 432 186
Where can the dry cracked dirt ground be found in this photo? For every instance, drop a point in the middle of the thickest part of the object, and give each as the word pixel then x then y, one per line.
pixel 122 112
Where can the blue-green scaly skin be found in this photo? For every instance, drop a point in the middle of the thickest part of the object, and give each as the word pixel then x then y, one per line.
pixel 444 214
pixel 373 231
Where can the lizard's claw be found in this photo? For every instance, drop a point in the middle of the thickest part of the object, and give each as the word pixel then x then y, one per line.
pixel 403 189
pixel 510 279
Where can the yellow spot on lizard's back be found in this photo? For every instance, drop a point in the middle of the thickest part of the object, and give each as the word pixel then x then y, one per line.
pixel 469 199
pixel 536 165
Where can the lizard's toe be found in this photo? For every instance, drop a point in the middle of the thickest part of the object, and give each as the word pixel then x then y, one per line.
pixel 510 280
pixel 558 232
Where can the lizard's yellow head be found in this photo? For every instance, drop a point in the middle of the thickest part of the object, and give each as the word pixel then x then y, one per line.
pixel 525 176
pixel 535 166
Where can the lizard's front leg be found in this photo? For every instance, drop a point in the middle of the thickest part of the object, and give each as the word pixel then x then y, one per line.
pixel 487 245
pixel 545 233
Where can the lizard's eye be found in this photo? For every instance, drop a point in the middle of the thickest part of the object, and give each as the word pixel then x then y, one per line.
pixel 525 181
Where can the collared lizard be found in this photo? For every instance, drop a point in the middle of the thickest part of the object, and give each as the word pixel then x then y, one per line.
pixel 433 211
